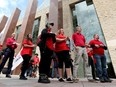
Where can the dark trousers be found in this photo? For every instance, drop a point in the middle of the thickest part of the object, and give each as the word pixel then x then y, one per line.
pixel 8 53
pixel 91 63
pixel 45 62
pixel 26 59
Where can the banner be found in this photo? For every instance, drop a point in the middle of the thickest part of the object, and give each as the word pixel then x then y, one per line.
pixel 17 61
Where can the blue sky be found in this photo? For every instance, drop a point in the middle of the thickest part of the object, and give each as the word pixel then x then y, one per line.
pixel 8 6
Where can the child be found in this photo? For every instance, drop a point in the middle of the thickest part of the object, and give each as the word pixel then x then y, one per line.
pixel 35 65
pixel 91 61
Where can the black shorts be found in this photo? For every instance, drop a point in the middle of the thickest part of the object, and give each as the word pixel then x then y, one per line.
pixel 63 57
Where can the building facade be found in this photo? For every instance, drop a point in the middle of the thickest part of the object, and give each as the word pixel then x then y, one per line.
pixel 94 16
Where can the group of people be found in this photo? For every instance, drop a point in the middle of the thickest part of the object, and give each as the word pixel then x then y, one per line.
pixel 50 43
pixel 94 57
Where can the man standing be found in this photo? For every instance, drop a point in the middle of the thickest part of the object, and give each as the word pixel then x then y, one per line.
pixel 46 51
pixel 9 53
pixel 79 42
pixel 98 53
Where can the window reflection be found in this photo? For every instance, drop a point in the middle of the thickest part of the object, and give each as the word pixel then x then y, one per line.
pixel 35 31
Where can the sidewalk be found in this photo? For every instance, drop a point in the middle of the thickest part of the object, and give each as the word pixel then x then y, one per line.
pixel 32 82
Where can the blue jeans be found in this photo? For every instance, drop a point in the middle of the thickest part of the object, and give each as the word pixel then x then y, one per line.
pixel 101 66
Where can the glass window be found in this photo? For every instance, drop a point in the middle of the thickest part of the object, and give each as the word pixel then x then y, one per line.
pixel 86 17
pixel 18 28
pixel 35 31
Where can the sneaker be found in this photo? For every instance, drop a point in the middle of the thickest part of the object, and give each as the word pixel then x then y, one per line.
pixel 69 80
pixel 23 78
pixel 8 76
pixel 107 80
pixel 96 79
pixel 91 80
pixel 75 80
pixel 43 79
pixel 61 80
pixel 101 80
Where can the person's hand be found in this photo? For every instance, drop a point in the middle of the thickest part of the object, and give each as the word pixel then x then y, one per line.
pixel 34 45
pixel 92 58
pixel 97 46
pixel 17 43
pixel 14 43
pixel 68 38
pixel 87 45
pixel 101 45
pixel 65 39
pixel 76 48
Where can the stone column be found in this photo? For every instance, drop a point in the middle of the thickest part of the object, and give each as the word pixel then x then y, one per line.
pixel 3 22
pixel 10 27
pixel 53 14
pixel 106 11
pixel 67 18
pixel 27 25
pixel 60 14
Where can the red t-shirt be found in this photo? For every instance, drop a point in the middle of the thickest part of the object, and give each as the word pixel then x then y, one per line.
pixel 60 46
pixel 79 39
pixel 100 50
pixel 36 60
pixel 90 54
pixel 49 42
pixel 27 50
pixel 10 43
pixel 0 47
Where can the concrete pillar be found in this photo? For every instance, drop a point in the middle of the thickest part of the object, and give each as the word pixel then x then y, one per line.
pixel 67 18
pixel 106 11
pixel 53 14
pixel 10 27
pixel 60 14
pixel 27 25
pixel 3 22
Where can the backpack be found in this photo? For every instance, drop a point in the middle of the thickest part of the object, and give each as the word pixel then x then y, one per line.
pixel 39 40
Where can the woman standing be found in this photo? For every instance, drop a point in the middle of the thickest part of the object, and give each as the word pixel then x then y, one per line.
pixel 9 54
pixel 62 52
pixel 26 54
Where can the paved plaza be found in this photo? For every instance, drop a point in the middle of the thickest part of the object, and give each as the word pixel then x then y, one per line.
pixel 32 82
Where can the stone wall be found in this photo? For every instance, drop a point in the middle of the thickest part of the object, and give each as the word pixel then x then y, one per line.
pixel 106 11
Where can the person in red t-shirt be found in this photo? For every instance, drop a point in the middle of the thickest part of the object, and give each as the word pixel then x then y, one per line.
pixel 91 60
pixel 98 53
pixel 35 65
pixel 9 53
pixel 36 60
pixel 0 47
pixel 79 43
pixel 46 51
pixel 26 54
pixel 62 52
pixel 1 52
